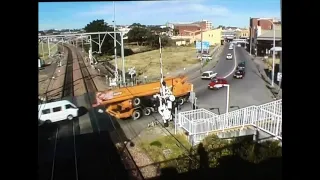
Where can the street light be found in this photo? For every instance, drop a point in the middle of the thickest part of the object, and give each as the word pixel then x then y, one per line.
pixel 228 97
pixel 274 47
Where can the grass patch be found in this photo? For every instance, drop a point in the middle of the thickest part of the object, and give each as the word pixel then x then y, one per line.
pixel 173 58
pixel 165 148
pixel 268 62
pixel 44 53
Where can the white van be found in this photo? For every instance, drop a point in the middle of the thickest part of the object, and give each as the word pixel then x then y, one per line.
pixel 57 111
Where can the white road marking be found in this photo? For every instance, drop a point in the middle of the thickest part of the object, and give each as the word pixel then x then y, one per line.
pixel 235 63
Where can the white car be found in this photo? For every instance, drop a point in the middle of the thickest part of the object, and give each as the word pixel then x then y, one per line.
pixel 56 111
pixel 208 75
pixel 229 56
pixel 239 45
pixel 205 57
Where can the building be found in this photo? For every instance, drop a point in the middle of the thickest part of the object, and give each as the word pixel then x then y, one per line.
pixel 204 24
pixel 262 34
pixel 244 33
pixel 228 35
pixel 189 29
pixel 213 36
pixel 257 28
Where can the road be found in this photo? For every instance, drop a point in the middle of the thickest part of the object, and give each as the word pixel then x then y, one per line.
pixel 251 90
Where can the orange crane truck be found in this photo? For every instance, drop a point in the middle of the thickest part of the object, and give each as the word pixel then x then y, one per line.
pixel 138 100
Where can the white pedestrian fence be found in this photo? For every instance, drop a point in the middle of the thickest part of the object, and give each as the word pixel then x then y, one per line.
pixel 200 122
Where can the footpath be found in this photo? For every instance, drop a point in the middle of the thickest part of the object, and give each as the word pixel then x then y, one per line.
pixel 276 90
pixel 57 80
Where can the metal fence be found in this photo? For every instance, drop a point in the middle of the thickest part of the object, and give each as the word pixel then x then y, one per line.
pixel 266 117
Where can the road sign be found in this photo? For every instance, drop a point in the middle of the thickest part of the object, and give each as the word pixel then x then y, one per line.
pixel 279 76
pixel 205 45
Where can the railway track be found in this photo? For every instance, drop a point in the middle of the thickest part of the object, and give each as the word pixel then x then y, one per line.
pixel 68 79
pixel 88 81
pixel 69 155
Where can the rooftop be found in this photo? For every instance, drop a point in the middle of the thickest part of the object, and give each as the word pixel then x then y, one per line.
pixel 269 34
pixel 196 25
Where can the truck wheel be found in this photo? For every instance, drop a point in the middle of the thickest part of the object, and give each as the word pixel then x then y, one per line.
pixel 136 101
pixel 47 122
pixel 147 111
pixel 136 114
pixel 70 117
pixel 181 101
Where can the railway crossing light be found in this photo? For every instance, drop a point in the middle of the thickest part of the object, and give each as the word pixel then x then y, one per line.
pixel 132 72
pixel 165 97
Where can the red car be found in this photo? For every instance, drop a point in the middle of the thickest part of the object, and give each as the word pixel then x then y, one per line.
pixel 217 83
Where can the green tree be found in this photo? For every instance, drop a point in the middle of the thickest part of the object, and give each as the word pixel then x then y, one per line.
pixel 108 44
pixel 138 33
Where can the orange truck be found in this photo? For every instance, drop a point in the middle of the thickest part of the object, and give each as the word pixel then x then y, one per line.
pixel 135 101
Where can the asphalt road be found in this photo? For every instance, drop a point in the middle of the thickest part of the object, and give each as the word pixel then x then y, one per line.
pixel 251 90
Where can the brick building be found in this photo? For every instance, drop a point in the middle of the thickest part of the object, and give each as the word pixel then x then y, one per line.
pixel 261 27
pixel 188 29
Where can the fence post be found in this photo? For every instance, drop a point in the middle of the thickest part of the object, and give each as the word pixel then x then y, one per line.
pixel 244 117
pixel 278 124
pixel 274 109
pixel 175 120
pixel 223 122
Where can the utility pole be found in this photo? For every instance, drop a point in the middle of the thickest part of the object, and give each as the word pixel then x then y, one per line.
pixel 42 49
pixel 48 46
pixel 115 43
pixel 250 34
pixel 201 50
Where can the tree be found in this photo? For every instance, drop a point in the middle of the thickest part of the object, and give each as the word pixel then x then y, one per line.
pixel 108 44
pixel 138 33
pixel 142 34
pixel 221 26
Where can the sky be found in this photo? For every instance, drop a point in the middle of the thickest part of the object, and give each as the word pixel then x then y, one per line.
pixel 74 15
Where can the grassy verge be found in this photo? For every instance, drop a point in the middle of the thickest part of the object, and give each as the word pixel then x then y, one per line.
pixel 44 53
pixel 268 62
pixel 173 58
pixel 165 148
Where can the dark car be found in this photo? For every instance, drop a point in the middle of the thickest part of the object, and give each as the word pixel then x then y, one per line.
pixel 239 74
pixel 241 66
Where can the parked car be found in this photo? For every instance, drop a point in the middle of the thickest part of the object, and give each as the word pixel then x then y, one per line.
pixel 217 83
pixel 229 56
pixel 239 74
pixel 208 75
pixel 205 57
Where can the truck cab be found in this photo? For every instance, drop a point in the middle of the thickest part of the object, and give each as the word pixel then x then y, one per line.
pixel 217 83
